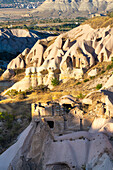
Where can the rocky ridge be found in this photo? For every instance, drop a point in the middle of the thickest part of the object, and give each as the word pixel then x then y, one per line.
pixel 66 8
pixel 12 40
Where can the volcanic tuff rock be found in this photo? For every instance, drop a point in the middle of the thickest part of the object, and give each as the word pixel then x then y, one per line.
pixel 39 148
pixel 65 56
pixel 11 41
pixel 71 8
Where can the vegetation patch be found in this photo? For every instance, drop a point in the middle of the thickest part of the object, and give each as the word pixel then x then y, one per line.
pixel 13 93
pixel 99 86
pixel 102 71
pixel 54 82
pixel 86 80
pixel 110 66
pixel 80 96
pixel 92 77
pixel 78 83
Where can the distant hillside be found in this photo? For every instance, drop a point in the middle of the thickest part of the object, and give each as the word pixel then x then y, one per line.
pixel 18 1
pixel 72 8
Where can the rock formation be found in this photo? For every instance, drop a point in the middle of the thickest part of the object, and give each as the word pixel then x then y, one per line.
pixel 44 148
pixel 66 8
pixel 64 57
pixel 11 41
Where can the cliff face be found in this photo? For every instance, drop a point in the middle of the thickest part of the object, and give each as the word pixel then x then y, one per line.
pixel 69 8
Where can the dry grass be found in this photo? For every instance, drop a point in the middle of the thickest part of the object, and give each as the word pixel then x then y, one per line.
pixel 72 87
pixel 99 22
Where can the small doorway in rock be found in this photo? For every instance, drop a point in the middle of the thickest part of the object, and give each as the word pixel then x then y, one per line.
pixel 67 107
pixel 69 62
pixel 51 124
pixel 74 61
pixel 102 57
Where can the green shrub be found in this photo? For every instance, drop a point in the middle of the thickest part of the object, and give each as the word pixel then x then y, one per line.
pixel 112 59
pixel 7 118
pixel 108 67
pixel 83 167
pixel 30 88
pixel 80 96
pixel 54 82
pixel 12 92
pixel 102 71
pixel 92 77
pixel 2 140
pixel 99 86
pixel 86 80
pixel 42 88
pixel 78 83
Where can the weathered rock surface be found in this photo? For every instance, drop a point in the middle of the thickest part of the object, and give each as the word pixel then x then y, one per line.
pixel 17 63
pixel 92 73
pixel 48 151
pixel 66 56
pixel 8 74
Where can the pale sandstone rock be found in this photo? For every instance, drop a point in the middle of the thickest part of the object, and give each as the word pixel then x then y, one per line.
pixel 66 46
pixel 8 74
pixel 58 42
pixel 84 45
pixel 12 40
pixel 87 101
pixel 51 38
pixel 26 51
pixel 22 64
pixel 22 85
pixel 35 55
pixel 16 63
pixel 92 72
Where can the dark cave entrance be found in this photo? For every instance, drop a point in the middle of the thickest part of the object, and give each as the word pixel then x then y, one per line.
pixel 51 124
pixel 67 106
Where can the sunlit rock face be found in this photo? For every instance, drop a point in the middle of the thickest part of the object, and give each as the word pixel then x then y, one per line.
pixel 63 57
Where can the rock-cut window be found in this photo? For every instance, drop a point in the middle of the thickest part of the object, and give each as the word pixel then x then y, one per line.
pixel 35 52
